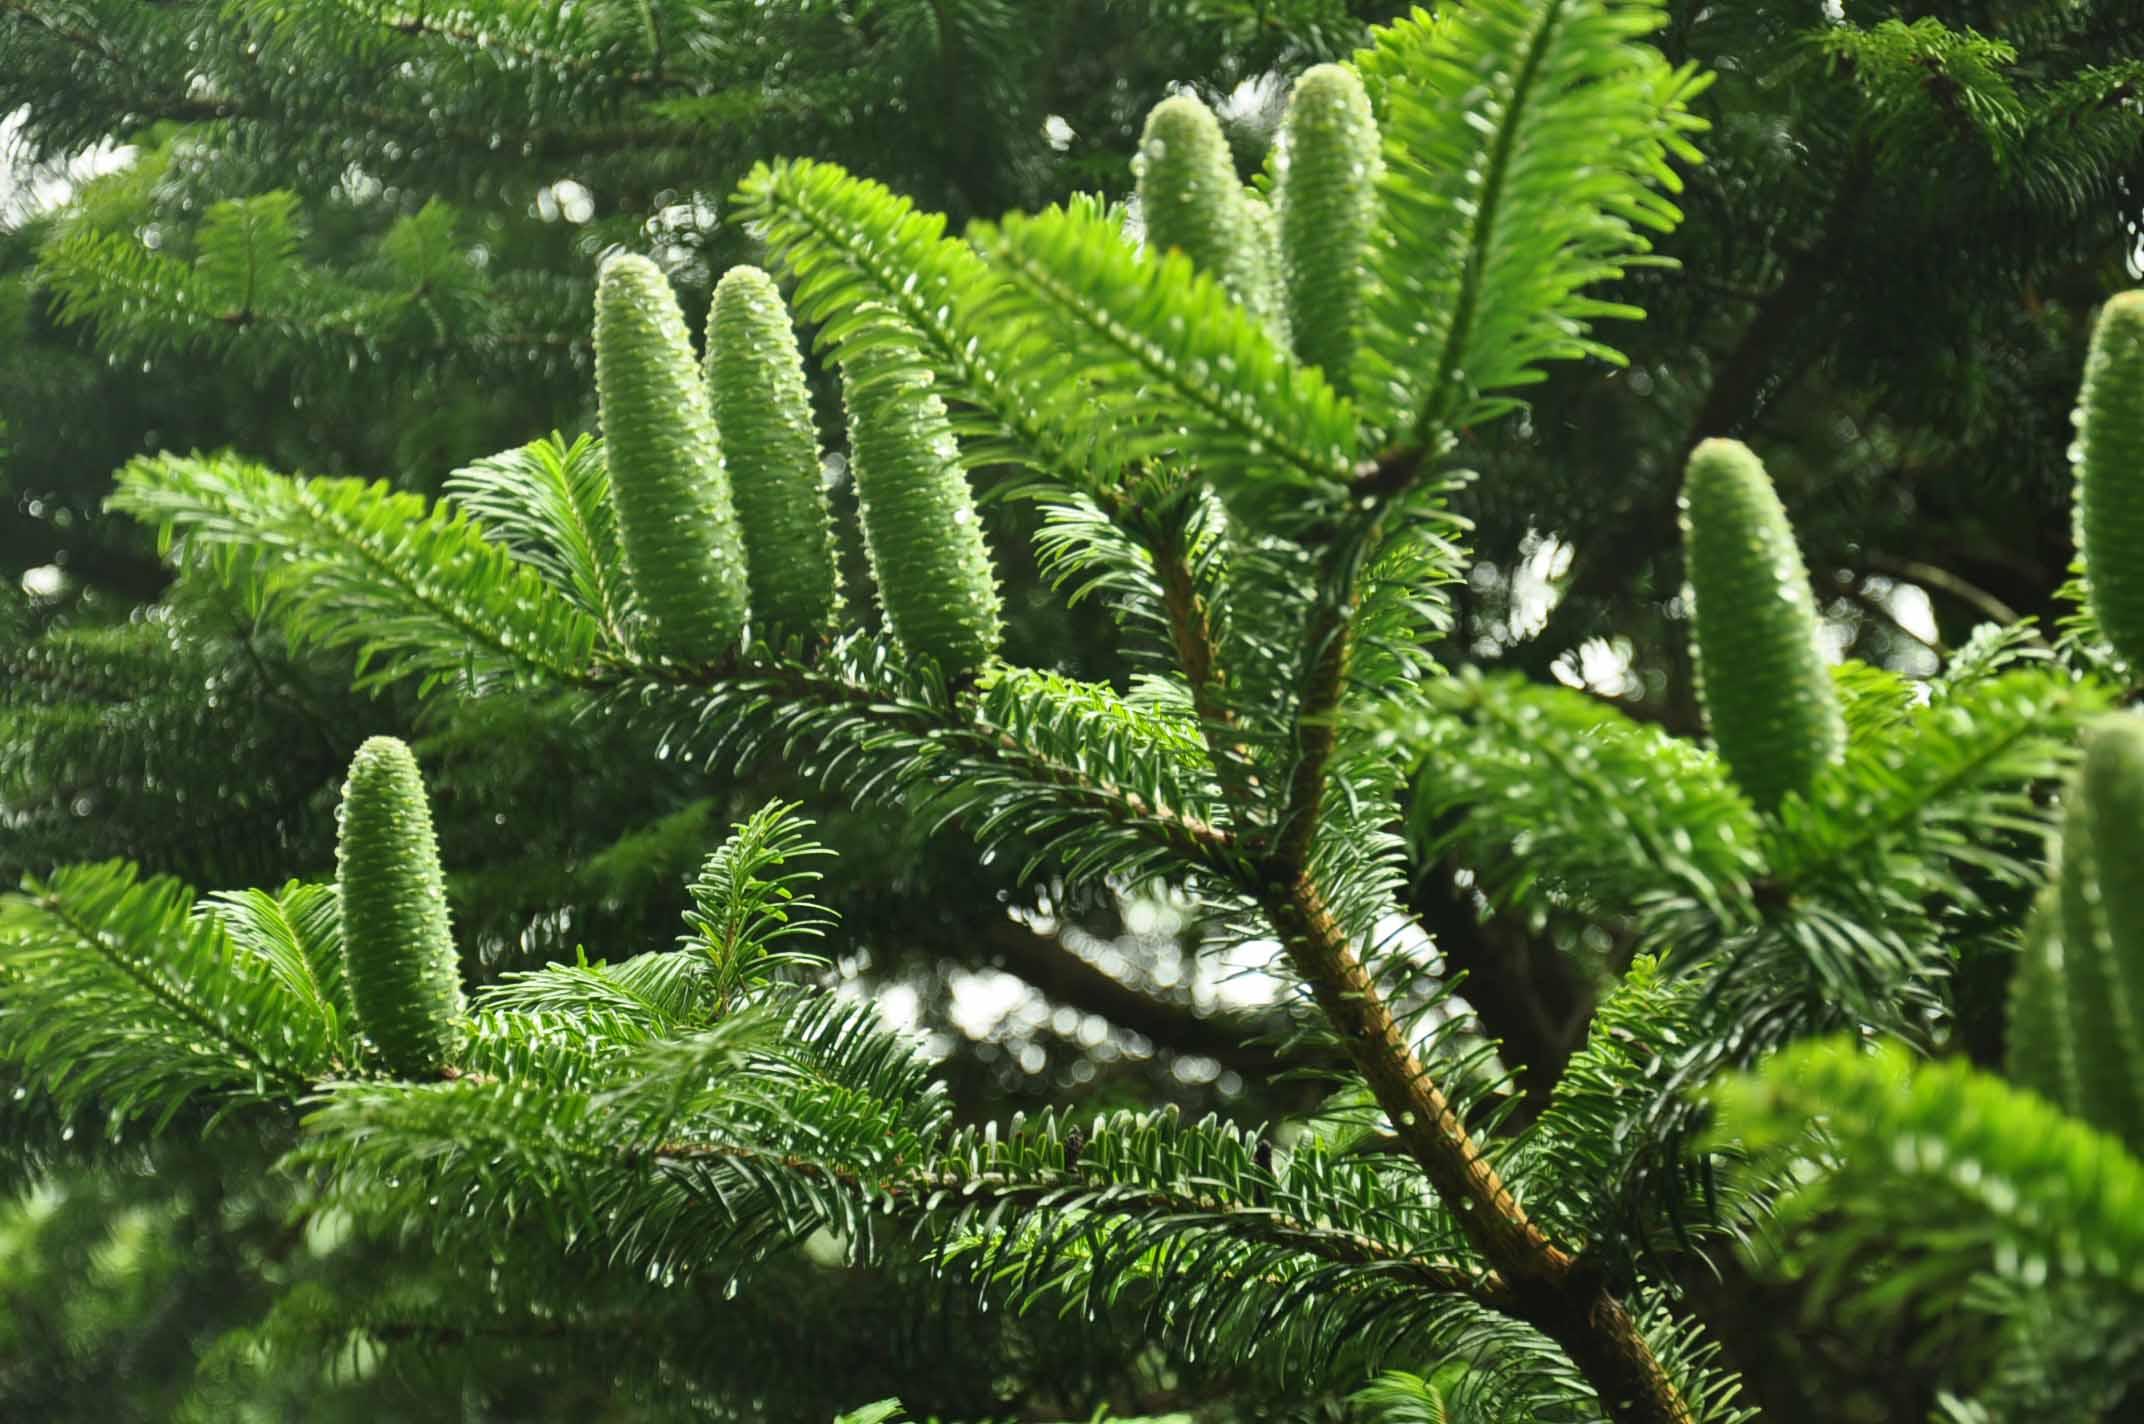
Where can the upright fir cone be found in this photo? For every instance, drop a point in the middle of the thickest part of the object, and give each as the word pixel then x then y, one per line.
pixel 676 524
pixel 1327 196
pixel 2040 1050
pixel 2109 456
pixel 755 381
pixel 1767 694
pixel 398 947
pixel 1191 200
pixel 2100 890
pixel 925 542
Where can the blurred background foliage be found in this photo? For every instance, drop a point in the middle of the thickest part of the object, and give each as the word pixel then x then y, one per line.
pixel 350 236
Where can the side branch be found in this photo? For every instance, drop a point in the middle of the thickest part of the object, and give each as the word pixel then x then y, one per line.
pixel 1197 651
pixel 987 748
pixel 102 944
pixel 1548 1288
pixel 1319 949
pixel 1328 644
pixel 930 1189
pixel 1178 830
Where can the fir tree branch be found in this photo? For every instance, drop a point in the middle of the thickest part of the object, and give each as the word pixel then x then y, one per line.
pixel 467 40
pixel 1421 1113
pixel 968 733
pixel 923 1192
pixel 1198 655
pixel 1942 580
pixel 86 41
pixel 414 586
pixel 94 938
pixel 1551 1290
pixel 359 564
pixel 1207 844
pixel 1191 623
pixel 1047 964
pixel 2007 732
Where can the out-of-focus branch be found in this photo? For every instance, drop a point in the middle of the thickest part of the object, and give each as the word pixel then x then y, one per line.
pixel 1055 971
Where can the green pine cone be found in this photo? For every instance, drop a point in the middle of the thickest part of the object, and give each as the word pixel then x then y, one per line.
pixel 1760 668
pixel 2101 890
pixel 1272 292
pixel 398 948
pixel 2039 1052
pixel 935 582
pixel 1328 208
pixel 755 381
pixel 675 521
pixel 1191 200
pixel 2109 455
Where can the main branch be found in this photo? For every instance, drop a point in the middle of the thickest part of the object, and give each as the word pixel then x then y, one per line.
pixel 1550 1290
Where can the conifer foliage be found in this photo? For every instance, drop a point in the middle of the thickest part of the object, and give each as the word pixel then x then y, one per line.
pixel 1245 429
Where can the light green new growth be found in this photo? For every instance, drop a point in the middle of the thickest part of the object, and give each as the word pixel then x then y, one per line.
pixel 755 381
pixel 675 521
pixel 398 948
pixel 2101 893
pixel 935 582
pixel 2109 455
pixel 1192 201
pixel 1767 695
pixel 1327 197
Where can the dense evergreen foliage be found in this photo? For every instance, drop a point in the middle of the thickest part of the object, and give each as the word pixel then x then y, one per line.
pixel 1719 1033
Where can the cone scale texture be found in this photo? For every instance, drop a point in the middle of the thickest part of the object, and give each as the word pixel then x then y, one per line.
pixel 1327 197
pixel 1767 694
pixel 755 382
pixel 2109 460
pixel 2101 894
pixel 405 978
pixel 1192 201
pixel 925 542
pixel 676 523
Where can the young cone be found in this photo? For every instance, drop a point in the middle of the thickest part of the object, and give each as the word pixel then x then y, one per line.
pixel 1192 200
pixel 2102 902
pixel 935 582
pixel 675 521
pixel 2039 1051
pixel 398 948
pixel 755 381
pixel 1327 198
pixel 1270 293
pixel 2109 456
pixel 1767 695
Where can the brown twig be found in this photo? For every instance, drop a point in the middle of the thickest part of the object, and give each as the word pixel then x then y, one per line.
pixel 1549 1288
